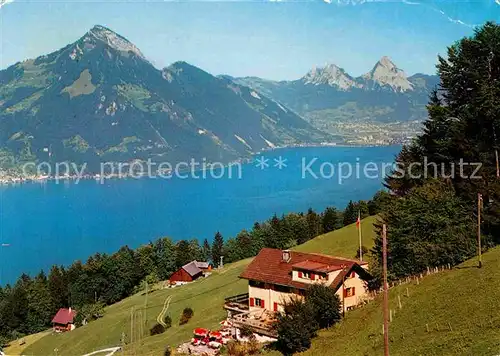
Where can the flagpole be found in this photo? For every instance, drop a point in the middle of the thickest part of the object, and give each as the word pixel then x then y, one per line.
pixel 359 234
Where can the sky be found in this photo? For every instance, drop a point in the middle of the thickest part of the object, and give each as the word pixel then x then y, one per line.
pixel 279 40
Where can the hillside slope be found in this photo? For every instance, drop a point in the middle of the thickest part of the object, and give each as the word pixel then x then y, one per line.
pixel 205 297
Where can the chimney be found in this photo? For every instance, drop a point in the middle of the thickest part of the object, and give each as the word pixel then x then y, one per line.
pixel 286 256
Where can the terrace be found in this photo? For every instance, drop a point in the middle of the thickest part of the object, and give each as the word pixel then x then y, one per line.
pixel 261 321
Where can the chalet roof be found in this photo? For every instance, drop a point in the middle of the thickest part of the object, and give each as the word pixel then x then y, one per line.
pixel 192 269
pixel 269 267
pixel 64 316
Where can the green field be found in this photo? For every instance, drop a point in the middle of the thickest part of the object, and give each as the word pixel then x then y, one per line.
pixel 205 297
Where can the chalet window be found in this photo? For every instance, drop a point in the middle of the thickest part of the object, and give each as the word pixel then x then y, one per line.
pixel 259 302
pixel 349 292
pixel 305 275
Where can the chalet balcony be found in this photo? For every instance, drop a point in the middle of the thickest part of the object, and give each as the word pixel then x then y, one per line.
pixel 237 304
pixel 259 322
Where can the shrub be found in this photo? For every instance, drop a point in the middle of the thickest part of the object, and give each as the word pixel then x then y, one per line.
pixel 237 348
pixel 167 321
pixel 167 352
pixel 157 329
pixel 246 331
pixel 187 314
pixel 296 327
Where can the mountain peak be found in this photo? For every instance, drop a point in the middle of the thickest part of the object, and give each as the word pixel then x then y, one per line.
pixel 112 39
pixel 386 62
pixel 386 73
pixel 330 74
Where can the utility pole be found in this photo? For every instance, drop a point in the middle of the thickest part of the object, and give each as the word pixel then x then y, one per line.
pixel 386 296
pixel 479 207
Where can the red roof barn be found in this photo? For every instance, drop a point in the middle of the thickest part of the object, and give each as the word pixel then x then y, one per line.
pixel 63 321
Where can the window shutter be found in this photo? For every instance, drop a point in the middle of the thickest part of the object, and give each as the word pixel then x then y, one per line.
pixel 353 291
pixel 313 276
pixel 262 304
pixel 275 306
pixel 252 302
pixel 353 274
pixel 345 292
pixel 300 274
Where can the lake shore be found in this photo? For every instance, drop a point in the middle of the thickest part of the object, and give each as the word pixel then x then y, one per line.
pixel 19 178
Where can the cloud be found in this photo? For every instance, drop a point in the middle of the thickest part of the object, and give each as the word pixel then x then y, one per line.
pixel 5 2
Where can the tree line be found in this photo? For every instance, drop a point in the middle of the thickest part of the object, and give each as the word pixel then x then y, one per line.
pixel 29 305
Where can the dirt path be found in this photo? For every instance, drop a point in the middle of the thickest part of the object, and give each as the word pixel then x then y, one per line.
pixel 161 316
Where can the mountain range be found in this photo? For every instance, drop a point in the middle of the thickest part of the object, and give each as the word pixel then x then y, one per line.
pixel 99 99
pixel 384 94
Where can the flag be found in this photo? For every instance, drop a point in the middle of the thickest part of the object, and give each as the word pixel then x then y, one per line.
pixel 358 222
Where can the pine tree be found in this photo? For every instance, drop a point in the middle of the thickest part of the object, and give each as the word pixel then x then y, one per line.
pixel 313 221
pixel 217 248
pixel 350 214
pixel 329 219
pixel 183 253
pixel 58 288
pixel 206 251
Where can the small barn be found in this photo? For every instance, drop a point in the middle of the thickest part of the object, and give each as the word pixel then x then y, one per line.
pixel 187 273
pixel 204 266
pixel 64 320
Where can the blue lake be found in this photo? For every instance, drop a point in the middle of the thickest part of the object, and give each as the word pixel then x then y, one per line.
pixel 49 223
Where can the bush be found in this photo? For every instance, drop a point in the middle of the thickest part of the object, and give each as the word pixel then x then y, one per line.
pixel 187 314
pixel 325 305
pixel 157 329
pixel 296 327
pixel 167 352
pixel 246 331
pixel 167 321
pixel 237 348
